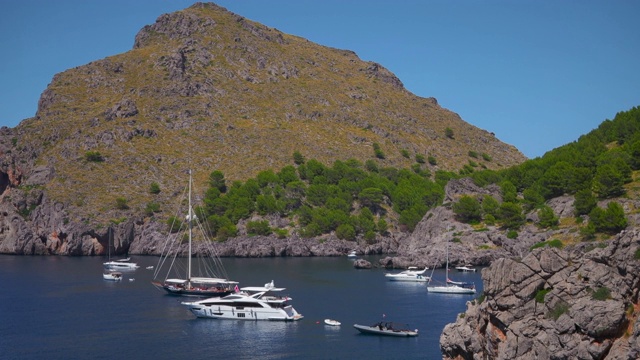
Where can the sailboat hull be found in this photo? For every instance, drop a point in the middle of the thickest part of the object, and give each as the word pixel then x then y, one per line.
pixel 451 289
pixel 172 289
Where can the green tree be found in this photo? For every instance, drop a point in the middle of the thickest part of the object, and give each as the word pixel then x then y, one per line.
pixel 151 208
pixel 448 132
pixel 287 175
pixel 216 180
pixel 610 221
pixel 382 226
pixel 371 166
pixel 298 159
pixel 555 181
pixel 509 192
pixel 267 204
pixel 468 209
pixel 511 215
pixel 174 224
pixel 346 232
pixel 532 198
pixel 267 178
pixel 121 203
pixel 547 218
pixel 258 228
pixel 154 188
pixel 93 156
pixel 371 198
pixel 584 202
pixel 420 159
pixel 378 151
pixel 608 182
pixel 490 206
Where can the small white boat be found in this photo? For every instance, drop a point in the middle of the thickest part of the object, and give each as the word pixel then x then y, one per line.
pixel 112 276
pixel 386 329
pixel 352 254
pixel 466 268
pixel 332 322
pixel 411 274
pixel 132 279
pixel 149 267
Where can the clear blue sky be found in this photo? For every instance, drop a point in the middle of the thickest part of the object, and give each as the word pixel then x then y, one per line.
pixel 537 73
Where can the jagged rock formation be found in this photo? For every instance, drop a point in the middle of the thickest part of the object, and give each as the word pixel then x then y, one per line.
pixel 577 303
pixel 209 90
pixel 426 246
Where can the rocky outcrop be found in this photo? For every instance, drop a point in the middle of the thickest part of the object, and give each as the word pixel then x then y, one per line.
pixel 577 303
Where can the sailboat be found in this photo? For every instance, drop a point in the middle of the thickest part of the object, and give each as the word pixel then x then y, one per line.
pixel 121 264
pixel 451 287
pixel 168 275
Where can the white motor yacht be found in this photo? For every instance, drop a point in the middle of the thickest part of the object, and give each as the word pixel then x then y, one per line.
pixel 250 303
pixel 411 274
pixel 121 265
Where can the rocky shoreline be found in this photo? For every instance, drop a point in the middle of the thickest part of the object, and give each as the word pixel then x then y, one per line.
pixel 576 303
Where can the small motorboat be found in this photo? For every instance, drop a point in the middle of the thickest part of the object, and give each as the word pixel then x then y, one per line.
pixel 411 274
pixel 466 268
pixel 385 329
pixel 352 254
pixel 149 267
pixel 332 322
pixel 112 276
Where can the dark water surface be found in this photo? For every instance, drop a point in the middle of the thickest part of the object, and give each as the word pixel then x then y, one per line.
pixel 61 308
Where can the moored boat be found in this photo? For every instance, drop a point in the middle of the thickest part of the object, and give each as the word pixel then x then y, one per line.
pixel 466 268
pixel 332 322
pixel 112 276
pixel 120 264
pixel 411 274
pixel 451 287
pixel 386 329
pixel 249 303
pixel 168 275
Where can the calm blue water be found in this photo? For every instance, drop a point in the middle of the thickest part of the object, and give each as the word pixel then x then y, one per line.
pixel 60 308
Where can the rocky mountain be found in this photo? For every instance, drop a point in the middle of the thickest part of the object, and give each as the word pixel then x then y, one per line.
pixel 205 89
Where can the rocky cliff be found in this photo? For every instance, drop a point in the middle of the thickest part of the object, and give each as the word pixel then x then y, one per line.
pixel 577 303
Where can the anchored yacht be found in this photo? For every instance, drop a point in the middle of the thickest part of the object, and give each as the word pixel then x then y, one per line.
pixel 249 303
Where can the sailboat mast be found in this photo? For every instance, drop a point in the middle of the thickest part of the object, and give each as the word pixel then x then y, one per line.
pixel 190 227
pixel 110 243
pixel 447 266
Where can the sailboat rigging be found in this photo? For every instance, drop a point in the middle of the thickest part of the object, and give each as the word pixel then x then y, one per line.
pixel 451 287
pixel 120 264
pixel 185 283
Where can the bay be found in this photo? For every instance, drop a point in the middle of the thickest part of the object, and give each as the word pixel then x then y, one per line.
pixel 61 308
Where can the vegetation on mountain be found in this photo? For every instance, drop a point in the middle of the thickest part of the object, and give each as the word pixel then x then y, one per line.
pixel 596 167
pixel 347 198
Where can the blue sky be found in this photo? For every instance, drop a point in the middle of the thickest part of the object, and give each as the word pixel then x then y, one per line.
pixel 537 73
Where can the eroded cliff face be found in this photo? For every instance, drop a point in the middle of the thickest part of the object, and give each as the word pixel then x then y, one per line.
pixel 578 303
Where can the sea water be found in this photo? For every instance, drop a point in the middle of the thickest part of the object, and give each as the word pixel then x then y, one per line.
pixel 61 308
